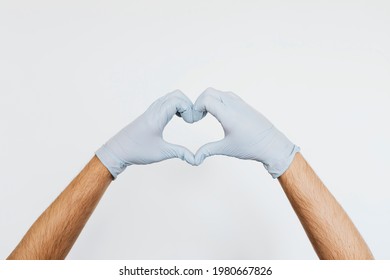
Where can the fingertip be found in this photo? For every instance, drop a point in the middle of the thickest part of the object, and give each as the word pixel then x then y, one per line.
pixel 187 115
pixel 182 153
pixel 189 157
pixel 197 115
pixel 179 106
pixel 199 158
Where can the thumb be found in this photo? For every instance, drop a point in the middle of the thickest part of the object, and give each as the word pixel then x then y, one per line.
pixel 177 151
pixel 210 149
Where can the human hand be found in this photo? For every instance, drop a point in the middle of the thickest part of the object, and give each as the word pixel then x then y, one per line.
pixel 141 142
pixel 248 134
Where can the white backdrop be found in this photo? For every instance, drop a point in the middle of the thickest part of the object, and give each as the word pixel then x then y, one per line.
pixel 74 73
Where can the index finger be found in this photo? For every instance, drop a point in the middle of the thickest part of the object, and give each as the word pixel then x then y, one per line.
pixel 211 100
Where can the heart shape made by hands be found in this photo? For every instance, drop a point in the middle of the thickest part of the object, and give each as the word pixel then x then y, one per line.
pixel 247 134
pixel 210 101
pixel 195 135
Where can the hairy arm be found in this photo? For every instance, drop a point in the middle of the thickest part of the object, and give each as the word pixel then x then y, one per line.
pixel 330 230
pixel 249 135
pixel 56 230
pixel 141 142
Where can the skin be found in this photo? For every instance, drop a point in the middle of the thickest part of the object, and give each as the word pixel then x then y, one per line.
pixel 330 230
pixel 328 227
pixel 53 234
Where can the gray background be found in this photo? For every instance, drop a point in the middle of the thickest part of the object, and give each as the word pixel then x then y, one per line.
pixel 72 73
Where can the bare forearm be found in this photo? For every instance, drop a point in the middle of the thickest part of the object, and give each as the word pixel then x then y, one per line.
pixel 56 230
pixel 330 230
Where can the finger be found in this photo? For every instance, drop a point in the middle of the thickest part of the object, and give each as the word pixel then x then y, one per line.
pixel 210 149
pixel 176 102
pixel 211 101
pixel 187 115
pixel 198 115
pixel 177 151
pixel 187 112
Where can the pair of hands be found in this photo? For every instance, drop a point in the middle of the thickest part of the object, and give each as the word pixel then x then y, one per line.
pixel 248 134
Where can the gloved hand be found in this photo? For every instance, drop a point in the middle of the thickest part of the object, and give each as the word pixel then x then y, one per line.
pixel 141 142
pixel 248 134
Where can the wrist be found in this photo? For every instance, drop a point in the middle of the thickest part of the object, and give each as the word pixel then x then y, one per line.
pixel 113 163
pixel 279 155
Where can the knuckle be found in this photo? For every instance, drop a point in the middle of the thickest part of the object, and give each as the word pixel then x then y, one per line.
pixel 230 93
pixel 207 101
pixel 211 90
pixel 175 93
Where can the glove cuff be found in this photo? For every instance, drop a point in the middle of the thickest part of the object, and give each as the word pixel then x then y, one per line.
pixel 283 152
pixel 110 161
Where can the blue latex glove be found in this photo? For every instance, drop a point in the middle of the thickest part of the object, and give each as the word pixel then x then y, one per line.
pixel 248 134
pixel 141 142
